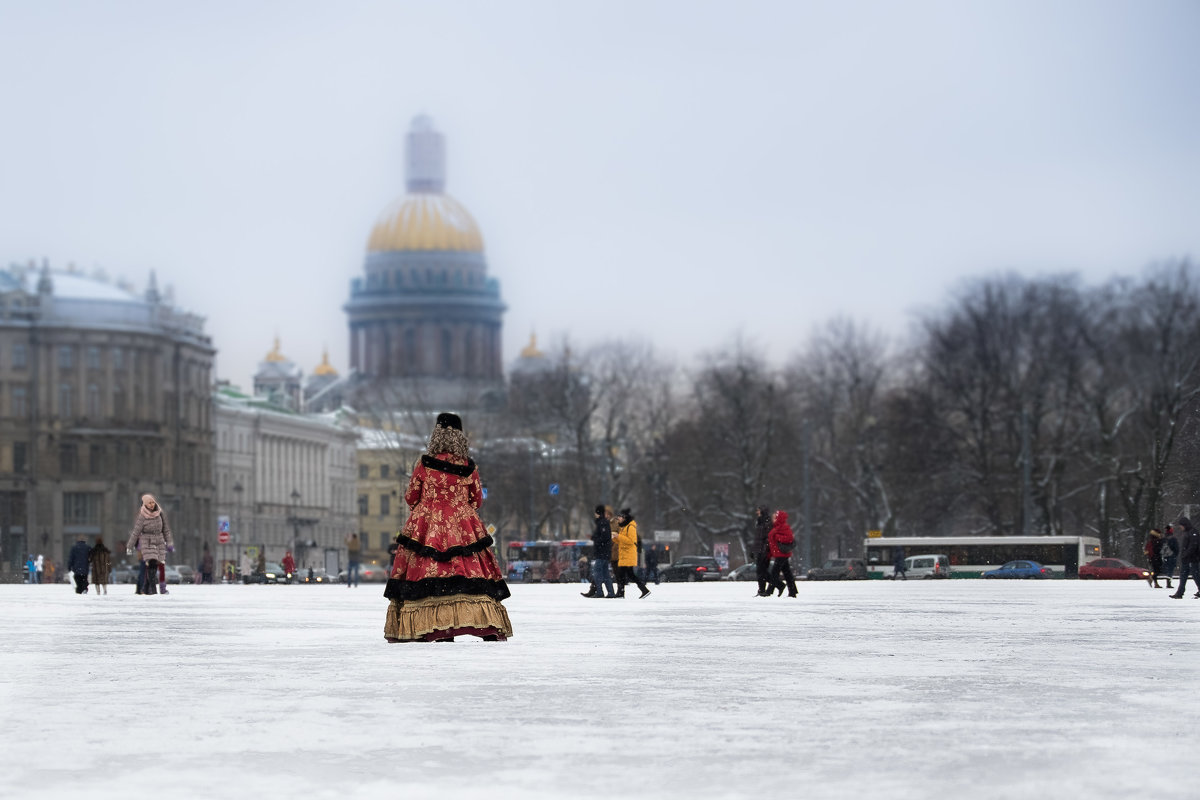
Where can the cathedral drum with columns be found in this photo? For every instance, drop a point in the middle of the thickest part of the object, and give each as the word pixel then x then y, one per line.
pixel 425 320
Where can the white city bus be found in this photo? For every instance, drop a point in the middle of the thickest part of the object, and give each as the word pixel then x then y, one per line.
pixel 971 556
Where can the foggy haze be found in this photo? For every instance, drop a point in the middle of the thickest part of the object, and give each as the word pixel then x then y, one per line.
pixel 677 171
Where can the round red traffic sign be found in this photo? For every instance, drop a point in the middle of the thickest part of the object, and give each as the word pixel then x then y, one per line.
pixel 223 537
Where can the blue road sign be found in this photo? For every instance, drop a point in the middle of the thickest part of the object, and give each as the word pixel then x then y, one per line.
pixel 553 488
pixel 485 493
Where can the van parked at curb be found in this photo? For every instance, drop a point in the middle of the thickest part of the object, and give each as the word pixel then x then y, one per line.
pixel 927 567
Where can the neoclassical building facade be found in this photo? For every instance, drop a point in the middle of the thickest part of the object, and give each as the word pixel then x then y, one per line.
pixel 104 395
pixel 426 318
pixel 286 481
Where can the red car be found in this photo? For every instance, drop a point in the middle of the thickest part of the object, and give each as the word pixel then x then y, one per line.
pixel 1113 569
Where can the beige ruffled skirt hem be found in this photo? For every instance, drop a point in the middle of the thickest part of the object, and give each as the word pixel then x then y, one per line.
pixel 413 620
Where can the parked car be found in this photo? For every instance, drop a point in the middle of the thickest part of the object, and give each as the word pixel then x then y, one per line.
pixel 1113 569
pixel 125 573
pixel 927 567
pixel 746 572
pixel 692 568
pixel 172 575
pixel 839 569
pixel 1019 569
pixel 186 573
pixel 367 573
pixel 319 575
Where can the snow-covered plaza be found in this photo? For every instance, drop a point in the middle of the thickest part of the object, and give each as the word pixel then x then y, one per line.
pixel 962 688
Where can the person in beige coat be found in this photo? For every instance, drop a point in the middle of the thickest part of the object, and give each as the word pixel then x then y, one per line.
pixel 152 536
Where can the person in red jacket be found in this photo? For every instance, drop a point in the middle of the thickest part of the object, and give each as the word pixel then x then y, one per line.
pixel 289 565
pixel 780 542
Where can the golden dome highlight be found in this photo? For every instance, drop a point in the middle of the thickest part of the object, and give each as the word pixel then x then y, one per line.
pixel 531 350
pixel 325 368
pixel 425 221
pixel 274 355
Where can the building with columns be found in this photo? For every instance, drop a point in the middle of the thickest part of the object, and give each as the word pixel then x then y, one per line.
pixel 286 481
pixel 104 395
pixel 426 318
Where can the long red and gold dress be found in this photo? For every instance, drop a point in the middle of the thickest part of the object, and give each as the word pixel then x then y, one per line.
pixel 445 580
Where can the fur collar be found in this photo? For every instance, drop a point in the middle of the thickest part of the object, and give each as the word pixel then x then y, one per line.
pixel 461 470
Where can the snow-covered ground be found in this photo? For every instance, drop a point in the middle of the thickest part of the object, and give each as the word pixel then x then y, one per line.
pixel 896 690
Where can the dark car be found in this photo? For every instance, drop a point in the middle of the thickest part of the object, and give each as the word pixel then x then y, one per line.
pixel 746 572
pixel 1019 569
pixel 839 569
pixel 1113 569
pixel 692 568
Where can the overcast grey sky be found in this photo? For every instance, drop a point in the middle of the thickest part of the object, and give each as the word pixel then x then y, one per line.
pixel 680 171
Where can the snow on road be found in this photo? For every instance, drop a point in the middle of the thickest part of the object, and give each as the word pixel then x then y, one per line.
pixel 901 690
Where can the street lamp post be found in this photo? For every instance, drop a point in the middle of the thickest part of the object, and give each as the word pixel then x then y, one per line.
pixel 295 520
pixel 237 532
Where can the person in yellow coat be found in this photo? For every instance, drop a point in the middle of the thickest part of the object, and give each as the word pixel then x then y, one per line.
pixel 627 554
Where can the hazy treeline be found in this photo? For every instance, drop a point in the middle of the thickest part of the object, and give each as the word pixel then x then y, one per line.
pixel 1020 406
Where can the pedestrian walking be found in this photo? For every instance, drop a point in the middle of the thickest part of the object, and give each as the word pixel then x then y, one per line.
pixel 627 554
pixel 762 548
pixel 1189 556
pixel 781 541
pixel 289 565
pixel 77 563
pixel 899 566
pixel 31 570
pixel 151 536
pixel 1153 550
pixel 445 580
pixel 601 555
pixel 353 557
pixel 245 566
pixel 206 565
pixel 652 565
pixel 100 558
pixel 40 564
pixel 1170 553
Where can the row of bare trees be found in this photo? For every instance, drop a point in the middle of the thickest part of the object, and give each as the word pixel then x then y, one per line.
pixel 1022 406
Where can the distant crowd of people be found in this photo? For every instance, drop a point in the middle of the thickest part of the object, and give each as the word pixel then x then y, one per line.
pixel 1178 546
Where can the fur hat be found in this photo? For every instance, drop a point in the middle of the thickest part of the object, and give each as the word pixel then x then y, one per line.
pixel 626 513
pixel 600 510
pixel 447 420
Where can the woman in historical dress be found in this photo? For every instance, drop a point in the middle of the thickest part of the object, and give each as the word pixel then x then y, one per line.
pixel 445 581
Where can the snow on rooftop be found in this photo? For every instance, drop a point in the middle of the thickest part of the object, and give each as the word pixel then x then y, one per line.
pixel 76 286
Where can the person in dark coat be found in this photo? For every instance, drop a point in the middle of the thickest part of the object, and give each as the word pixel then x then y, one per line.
pixel 780 542
pixel 652 565
pixel 899 568
pixel 1153 550
pixel 601 555
pixel 77 563
pixel 762 548
pixel 206 566
pixel 1170 553
pixel 101 560
pixel 1189 556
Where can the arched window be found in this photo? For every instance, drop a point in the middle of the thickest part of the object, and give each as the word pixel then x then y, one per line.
pixel 410 352
pixel 447 342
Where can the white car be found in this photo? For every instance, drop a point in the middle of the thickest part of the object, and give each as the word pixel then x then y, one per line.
pixel 927 567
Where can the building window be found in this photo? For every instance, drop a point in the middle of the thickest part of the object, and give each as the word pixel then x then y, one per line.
pixel 19 458
pixel 93 358
pixel 20 407
pixel 68 459
pixel 81 508
pixel 364 505
pixel 118 401
pixel 364 471
pixel 446 341
pixel 118 358
pixel 385 505
pixel 384 470
pixel 96 460
pixel 93 401
pixel 20 356
pixel 66 357
pixel 65 401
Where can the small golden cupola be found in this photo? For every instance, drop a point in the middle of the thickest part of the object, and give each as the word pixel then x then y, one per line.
pixel 531 350
pixel 274 355
pixel 325 369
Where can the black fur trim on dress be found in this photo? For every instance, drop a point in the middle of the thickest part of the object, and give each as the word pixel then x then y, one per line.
pixel 425 551
pixel 398 589
pixel 429 462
